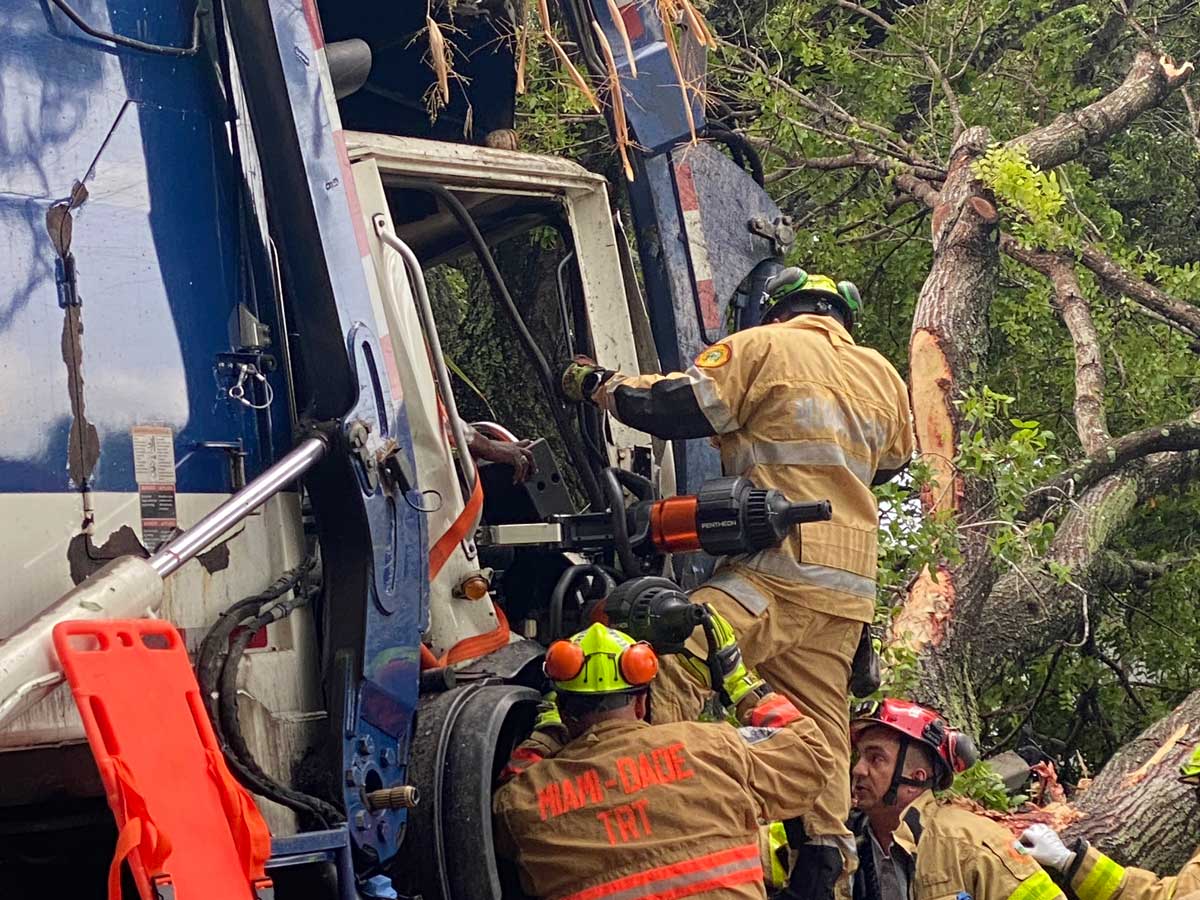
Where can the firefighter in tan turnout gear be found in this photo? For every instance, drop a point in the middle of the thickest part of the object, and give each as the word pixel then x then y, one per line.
pixel 905 752
pixel 1093 876
pixel 793 404
pixel 642 810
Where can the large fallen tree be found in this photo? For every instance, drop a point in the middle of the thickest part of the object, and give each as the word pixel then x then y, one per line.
pixel 1013 186
pixel 1029 570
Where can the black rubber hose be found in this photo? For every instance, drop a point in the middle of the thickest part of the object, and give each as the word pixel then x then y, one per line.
pixel 215 646
pixel 598 457
pixel 638 485
pixel 559 595
pixel 239 755
pixel 571 439
pixel 620 527
pixel 738 145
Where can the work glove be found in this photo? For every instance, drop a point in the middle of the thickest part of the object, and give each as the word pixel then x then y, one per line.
pixel 548 727
pixel 581 379
pixel 1043 844
pixel 548 715
pixel 737 681
pixel 771 711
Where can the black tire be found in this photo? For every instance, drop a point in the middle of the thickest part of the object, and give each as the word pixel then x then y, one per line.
pixel 462 740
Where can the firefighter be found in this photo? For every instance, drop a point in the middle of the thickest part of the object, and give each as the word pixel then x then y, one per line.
pixel 796 405
pixel 1093 876
pixel 905 752
pixel 633 810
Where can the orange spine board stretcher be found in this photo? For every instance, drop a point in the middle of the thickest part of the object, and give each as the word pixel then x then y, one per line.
pixel 187 828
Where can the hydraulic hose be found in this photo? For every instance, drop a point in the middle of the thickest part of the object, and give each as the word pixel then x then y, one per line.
pixel 743 151
pixel 242 760
pixel 571 439
pixel 216 670
pixel 565 582
pixel 630 564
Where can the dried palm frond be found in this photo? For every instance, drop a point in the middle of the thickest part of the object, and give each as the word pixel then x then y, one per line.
pixel 439 57
pixel 619 22
pixel 572 72
pixel 620 123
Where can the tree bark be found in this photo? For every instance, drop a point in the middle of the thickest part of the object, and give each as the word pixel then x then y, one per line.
pixel 949 341
pixel 1091 423
pixel 1136 810
pixel 1028 611
pixel 1149 81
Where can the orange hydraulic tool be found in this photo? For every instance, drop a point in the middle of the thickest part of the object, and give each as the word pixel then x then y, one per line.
pixel 188 830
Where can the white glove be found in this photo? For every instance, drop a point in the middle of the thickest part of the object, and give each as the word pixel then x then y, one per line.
pixel 1043 844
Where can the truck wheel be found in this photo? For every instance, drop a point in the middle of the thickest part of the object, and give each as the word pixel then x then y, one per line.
pixel 462 740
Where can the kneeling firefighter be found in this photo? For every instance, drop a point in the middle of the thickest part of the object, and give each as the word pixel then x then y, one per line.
pixel 617 807
pixel 794 404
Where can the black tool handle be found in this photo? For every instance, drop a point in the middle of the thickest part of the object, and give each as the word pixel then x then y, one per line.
pixel 811 511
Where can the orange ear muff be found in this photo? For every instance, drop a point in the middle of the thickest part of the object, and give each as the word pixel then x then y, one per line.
pixel 564 660
pixel 638 663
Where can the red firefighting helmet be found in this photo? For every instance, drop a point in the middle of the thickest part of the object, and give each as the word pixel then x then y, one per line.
pixel 953 751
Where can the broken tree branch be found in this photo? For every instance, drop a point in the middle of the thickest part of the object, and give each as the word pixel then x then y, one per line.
pixel 1149 81
pixel 1117 277
pixel 1114 456
pixel 1090 421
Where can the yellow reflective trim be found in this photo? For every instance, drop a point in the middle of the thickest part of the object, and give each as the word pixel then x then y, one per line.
pixel 1102 881
pixel 1036 887
pixel 778 877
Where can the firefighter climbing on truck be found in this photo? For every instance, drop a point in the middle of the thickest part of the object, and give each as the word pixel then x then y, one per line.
pixel 650 810
pixel 797 405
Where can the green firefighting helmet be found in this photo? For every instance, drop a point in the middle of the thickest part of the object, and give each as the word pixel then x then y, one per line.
pixel 600 660
pixel 793 283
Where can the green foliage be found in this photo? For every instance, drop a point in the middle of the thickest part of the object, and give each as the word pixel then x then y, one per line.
pixel 1014 66
pixel 1012 456
pixel 981 784
pixel 1031 198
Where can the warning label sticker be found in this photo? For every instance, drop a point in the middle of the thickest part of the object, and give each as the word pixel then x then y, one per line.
pixel 159 520
pixel 153 455
pixel 154 471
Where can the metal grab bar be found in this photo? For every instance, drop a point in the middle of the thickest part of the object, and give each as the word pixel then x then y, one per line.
pixel 175 552
pixel 425 310
pixel 131 587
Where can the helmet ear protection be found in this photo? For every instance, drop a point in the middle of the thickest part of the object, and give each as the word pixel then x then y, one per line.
pixel 564 660
pixel 637 663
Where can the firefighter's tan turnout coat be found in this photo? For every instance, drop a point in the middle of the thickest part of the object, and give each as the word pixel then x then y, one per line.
pixel 630 810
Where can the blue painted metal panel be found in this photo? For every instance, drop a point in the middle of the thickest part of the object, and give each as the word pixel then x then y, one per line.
pixel 379 713
pixel 654 103
pixel 155 243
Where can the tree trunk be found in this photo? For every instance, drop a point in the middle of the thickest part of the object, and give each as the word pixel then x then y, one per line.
pixel 949 341
pixel 1136 810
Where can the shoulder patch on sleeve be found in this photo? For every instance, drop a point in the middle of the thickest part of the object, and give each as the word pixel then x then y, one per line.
pixel 715 356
